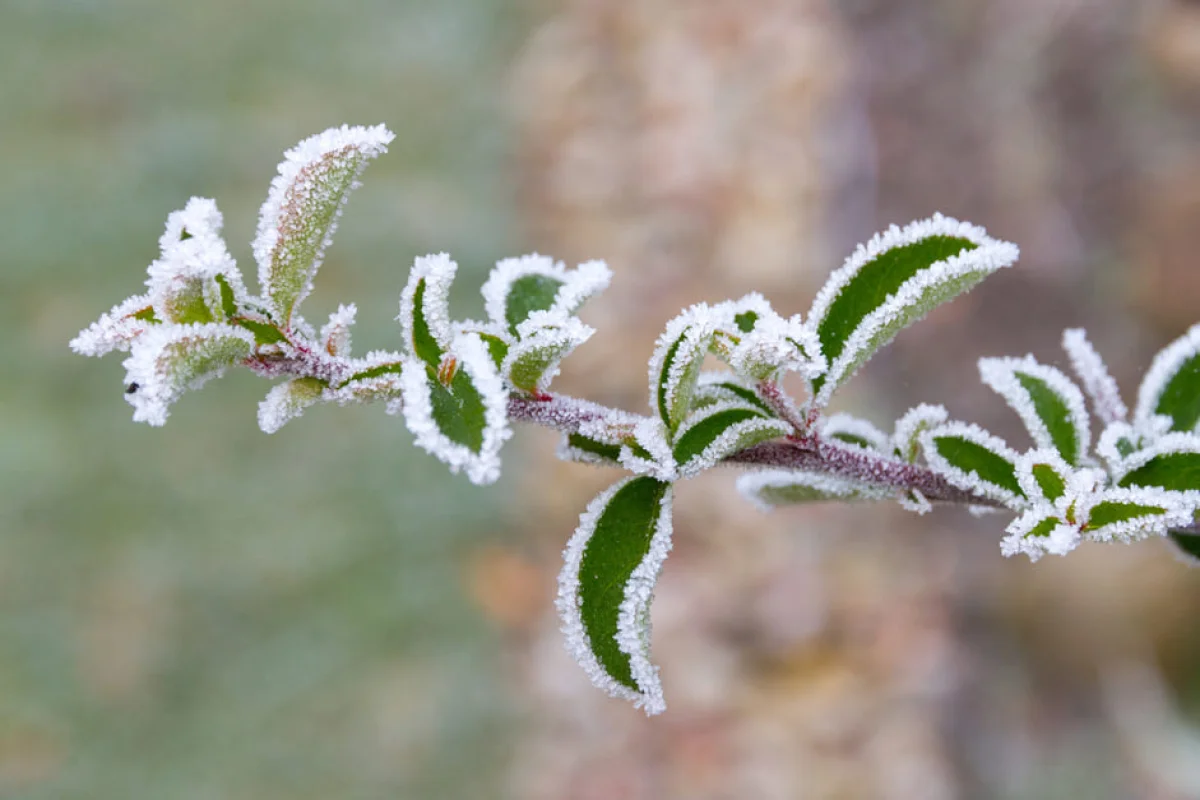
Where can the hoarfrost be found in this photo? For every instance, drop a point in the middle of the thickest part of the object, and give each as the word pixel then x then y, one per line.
pixel 335 334
pixel 287 401
pixel 736 437
pixel 905 437
pixel 970 481
pixel 858 428
pixel 1000 374
pixel 115 330
pixel 437 271
pixel 757 487
pixel 1164 367
pixel 1093 374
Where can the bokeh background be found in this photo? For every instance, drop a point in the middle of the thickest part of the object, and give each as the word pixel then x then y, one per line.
pixel 202 611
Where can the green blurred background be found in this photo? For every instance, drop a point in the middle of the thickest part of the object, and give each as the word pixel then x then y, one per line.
pixel 203 611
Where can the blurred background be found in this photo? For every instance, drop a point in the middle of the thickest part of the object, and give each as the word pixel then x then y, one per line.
pixel 202 611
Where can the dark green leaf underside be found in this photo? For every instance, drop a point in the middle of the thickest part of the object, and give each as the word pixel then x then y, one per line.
pixel 528 294
pixel 705 432
pixel 975 458
pixel 748 395
pixel 1051 482
pixel 458 411
pixel 1173 471
pixel 1188 543
pixel 375 372
pixel 1107 513
pixel 609 452
pixel 874 284
pixel 619 543
pixel 425 346
pixel 1054 414
pixel 228 301
pixel 1180 399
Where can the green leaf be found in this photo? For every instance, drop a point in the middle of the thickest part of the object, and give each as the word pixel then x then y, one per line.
pixel 394 367
pixel 300 214
pixel 497 348
pixel 675 364
pixel 424 344
pixel 1172 384
pixel 894 281
pixel 606 584
pixel 1047 401
pixel 1109 512
pixel 770 488
pixel 264 332
pixel 458 409
pixel 1049 481
pixel 1044 528
pixel 228 298
pixel 1188 545
pixel 528 294
pixel 715 433
pixel 974 460
pixel 1177 471
pixel 592 450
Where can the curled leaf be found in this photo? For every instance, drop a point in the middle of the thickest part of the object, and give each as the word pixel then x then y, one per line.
pixel 287 401
pixel 611 565
pixel 425 308
pixel 675 363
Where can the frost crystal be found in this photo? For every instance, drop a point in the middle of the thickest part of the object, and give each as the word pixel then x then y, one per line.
pixel 1044 459
pixel 736 436
pixel 1151 512
pixel 287 401
pixel 482 467
pixel 913 299
pixel 182 282
pixel 675 363
pixel 1164 367
pixel 1096 380
pixel 435 273
pixel 1003 375
pixel 633 621
pixel 651 452
pixel 297 220
pixel 544 339
pixel 906 436
pixel 115 330
pixel 576 286
pixel 777 345
pixel 855 432
pixel 335 334
pixel 915 501
pixel 1037 532
pixel 167 360
pixel 773 487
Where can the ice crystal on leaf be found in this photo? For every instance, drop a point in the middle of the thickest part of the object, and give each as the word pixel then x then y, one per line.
pixel 1171 387
pixel 1047 401
pixel 776 487
pixel 675 363
pixel 856 432
pixel 906 437
pixel 298 219
pixel 974 460
pixel 169 359
pixel 544 339
pixel 715 432
pixel 517 287
pixel 287 401
pixel 117 329
pixel 335 334
pixel 1093 374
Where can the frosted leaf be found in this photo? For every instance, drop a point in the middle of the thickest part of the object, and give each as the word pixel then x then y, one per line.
pixel 1037 532
pixel 1172 463
pixel 464 422
pixel 335 334
pixel 194 279
pixel 1130 514
pixel 425 308
pixel 892 281
pixel 776 345
pixel 856 432
pixel 717 431
pixel 776 487
pixel 1047 401
pixel 1043 475
pixel 742 315
pixel 1171 386
pixel 611 565
pixel 517 287
pixel 298 219
pixel 168 360
pixel 544 339
pixel 287 401
pixel 1122 439
pixel 599 441
pixel 648 452
pixel 906 442
pixel 725 387
pixel 675 363
pixel 117 329
pixel 1094 375
pixel 373 378
pixel 915 501
pixel 974 460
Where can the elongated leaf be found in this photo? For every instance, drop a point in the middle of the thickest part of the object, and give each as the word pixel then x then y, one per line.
pixel 1172 384
pixel 724 387
pixel 335 334
pixel 975 461
pixel 611 565
pixel 1094 375
pixel 1131 514
pixel 718 431
pixel 116 330
pixel 458 414
pixel 298 219
pixel 773 346
pixel 586 450
pixel 893 281
pixel 1173 463
pixel 169 359
pixel 425 310
pixel 778 487
pixel 1047 401
pixel 517 287
pixel 675 363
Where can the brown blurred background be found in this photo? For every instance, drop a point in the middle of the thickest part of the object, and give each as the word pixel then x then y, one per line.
pixel 205 612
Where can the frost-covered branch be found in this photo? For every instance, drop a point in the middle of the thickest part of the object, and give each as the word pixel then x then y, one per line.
pixel 459 385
